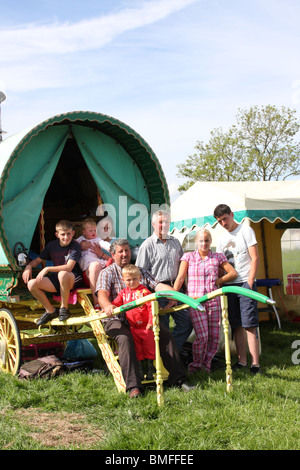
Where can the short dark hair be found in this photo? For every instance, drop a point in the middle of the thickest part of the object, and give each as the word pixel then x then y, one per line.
pixel 221 209
pixel 118 242
pixel 63 225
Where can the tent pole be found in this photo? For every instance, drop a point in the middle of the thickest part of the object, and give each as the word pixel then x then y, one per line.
pixel 99 199
pixel 263 239
pixel 42 231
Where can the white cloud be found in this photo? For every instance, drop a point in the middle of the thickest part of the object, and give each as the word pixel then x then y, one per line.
pixel 296 92
pixel 173 190
pixel 171 77
pixel 61 55
pixel 88 34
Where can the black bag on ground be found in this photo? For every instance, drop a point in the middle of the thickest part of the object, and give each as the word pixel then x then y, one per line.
pixel 81 366
pixel 48 366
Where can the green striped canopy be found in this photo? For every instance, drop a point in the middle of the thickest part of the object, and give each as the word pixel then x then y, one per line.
pixel 255 200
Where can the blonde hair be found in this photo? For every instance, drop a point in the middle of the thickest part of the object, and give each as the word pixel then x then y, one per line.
pixel 200 231
pixel 88 221
pixel 63 225
pixel 131 269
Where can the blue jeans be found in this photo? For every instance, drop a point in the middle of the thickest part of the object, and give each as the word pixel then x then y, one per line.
pixel 183 325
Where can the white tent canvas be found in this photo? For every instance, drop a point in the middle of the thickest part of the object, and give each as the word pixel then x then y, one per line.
pixel 255 200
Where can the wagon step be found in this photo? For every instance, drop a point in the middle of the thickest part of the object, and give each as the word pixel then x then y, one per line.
pixel 76 320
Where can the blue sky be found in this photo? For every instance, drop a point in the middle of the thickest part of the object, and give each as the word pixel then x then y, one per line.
pixel 173 70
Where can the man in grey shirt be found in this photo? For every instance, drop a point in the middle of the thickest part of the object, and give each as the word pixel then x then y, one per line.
pixel 160 255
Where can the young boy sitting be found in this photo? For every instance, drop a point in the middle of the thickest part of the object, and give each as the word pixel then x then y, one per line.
pixel 139 318
pixel 64 275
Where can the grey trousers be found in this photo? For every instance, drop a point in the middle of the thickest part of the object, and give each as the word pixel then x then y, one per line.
pixel 119 331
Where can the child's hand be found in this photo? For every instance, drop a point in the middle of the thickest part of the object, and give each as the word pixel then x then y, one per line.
pixel 27 274
pixel 149 327
pixel 85 245
pixel 97 250
pixel 171 303
pixel 42 274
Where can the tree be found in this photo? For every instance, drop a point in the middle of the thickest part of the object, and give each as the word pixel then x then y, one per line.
pixel 260 146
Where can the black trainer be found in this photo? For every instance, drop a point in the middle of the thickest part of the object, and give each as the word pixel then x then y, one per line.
pixel 238 365
pixel 255 370
pixel 46 317
pixel 64 314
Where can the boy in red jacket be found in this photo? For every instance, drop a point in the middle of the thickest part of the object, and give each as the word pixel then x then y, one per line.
pixel 139 318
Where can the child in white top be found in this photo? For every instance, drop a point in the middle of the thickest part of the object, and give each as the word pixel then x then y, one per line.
pixel 93 258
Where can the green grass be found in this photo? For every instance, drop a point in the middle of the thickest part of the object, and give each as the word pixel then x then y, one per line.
pixel 85 411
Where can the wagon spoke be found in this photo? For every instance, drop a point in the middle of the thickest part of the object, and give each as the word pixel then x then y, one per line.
pixel 10 337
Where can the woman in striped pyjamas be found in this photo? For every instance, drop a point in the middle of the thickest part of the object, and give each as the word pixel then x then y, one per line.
pixel 202 268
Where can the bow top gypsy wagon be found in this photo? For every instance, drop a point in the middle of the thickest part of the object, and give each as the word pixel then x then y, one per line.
pixel 65 168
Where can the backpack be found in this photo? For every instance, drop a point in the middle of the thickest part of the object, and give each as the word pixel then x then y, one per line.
pixel 48 366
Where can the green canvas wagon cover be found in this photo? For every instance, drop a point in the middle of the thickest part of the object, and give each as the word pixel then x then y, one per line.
pixel 63 168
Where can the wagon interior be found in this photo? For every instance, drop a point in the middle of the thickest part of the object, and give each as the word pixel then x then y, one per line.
pixel 72 195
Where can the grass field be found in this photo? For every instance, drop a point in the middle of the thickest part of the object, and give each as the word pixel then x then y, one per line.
pixel 85 411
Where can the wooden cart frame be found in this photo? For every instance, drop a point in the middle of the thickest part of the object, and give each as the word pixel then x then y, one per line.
pixel 18 328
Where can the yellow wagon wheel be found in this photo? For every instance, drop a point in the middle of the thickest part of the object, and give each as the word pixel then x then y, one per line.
pixel 10 343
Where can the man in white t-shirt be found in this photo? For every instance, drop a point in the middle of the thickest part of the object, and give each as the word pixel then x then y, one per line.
pixel 240 248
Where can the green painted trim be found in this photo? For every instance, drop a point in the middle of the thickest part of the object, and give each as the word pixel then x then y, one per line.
pixel 195 303
pixel 284 215
pixel 236 290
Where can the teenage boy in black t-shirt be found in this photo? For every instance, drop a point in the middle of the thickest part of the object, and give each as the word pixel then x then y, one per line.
pixel 61 278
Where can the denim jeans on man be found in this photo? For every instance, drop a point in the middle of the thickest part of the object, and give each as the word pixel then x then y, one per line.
pixel 183 325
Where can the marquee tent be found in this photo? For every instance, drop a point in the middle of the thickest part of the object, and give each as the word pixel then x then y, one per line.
pixel 256 201
pixel 270 207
